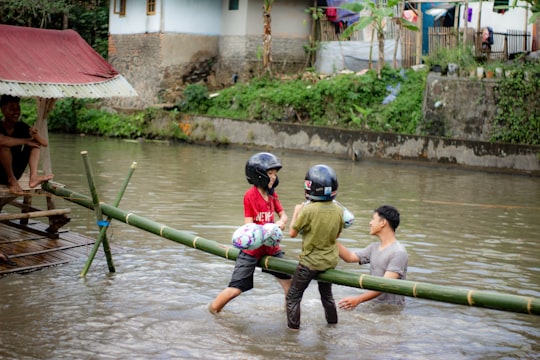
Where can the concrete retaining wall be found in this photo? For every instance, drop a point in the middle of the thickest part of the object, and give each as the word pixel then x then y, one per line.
pixel 360 145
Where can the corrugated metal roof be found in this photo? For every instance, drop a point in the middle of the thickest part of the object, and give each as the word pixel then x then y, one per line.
pixel 55 64
pixel 110 88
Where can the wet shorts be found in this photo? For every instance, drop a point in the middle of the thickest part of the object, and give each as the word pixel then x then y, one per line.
pixel 242 277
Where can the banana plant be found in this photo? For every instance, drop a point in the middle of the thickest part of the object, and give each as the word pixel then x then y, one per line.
pixel 378 15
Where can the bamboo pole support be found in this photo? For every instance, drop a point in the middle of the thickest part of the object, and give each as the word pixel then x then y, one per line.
pixel 99 215
pixel 491 300
pixel 103 230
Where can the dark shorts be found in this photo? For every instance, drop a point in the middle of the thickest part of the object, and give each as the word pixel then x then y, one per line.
pixel 242 277
pixel 20 158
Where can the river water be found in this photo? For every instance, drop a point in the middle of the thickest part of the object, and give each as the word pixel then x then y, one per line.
pixel 461 228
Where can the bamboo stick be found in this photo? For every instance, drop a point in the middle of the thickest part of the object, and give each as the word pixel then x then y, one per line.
pixel 492 300
pixel 99 215
pixel 34 214
pixel 103 230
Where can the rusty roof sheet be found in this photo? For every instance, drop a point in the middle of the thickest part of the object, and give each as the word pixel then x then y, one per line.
pixel 55 64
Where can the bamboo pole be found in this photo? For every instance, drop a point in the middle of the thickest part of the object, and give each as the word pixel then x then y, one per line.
pixel 34 214
pixel 103 230
pixel 492 300
pixel 97 209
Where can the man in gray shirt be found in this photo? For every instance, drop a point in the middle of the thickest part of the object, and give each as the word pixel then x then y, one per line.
pixel 387 257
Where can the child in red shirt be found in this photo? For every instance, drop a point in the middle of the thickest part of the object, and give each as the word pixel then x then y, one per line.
pixel 261 202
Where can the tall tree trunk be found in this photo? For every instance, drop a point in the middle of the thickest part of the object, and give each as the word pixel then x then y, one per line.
pixel 267 36
pixel 380 63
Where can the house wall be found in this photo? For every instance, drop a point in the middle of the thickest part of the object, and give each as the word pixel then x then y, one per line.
pixel 160 53
pixel 135 21
pixel 189 41
pixel 135 56
pixel 201 17
pixel 513 19
pixel 240 45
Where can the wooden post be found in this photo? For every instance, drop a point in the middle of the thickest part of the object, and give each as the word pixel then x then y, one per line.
pixel 419 34
pixel 466 24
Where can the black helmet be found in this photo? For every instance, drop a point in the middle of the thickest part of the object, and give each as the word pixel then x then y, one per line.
pixel 258 165
pixel 321 183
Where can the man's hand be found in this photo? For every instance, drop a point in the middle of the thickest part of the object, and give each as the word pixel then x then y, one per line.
pixel 33 132
pixel 31 142
pixel 281 224
pixel 349 302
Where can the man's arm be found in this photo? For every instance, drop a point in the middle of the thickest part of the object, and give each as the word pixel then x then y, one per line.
pixel 346 254
pixel 350 302
pixel 9 141
pixel 38 138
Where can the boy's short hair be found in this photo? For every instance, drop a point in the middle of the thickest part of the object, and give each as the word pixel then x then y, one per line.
pixel 390 214
pixel 5 99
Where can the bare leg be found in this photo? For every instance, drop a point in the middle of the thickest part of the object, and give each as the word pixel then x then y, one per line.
pixel 6 162
pixel 223 298
pixel 36 179
pixel 285 284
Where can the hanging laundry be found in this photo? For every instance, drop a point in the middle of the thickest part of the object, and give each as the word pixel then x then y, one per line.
pixel 410 15
pixel 331 14
pixel 345 16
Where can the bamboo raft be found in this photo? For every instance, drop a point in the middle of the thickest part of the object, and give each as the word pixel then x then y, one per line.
pixel 31 245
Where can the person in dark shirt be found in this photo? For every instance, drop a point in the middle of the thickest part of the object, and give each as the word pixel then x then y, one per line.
pixel 19 147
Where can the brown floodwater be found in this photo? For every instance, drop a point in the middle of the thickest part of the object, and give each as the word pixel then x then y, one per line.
pixel 461 228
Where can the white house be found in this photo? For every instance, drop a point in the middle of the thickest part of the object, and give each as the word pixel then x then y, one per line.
pixel 161 45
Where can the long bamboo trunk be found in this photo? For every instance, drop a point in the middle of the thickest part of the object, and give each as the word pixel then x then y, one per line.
pixel 492 300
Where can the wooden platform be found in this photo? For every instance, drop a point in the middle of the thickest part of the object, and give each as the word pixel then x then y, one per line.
pixel 30 249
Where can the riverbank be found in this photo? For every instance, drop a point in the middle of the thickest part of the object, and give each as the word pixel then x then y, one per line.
pixel 359 145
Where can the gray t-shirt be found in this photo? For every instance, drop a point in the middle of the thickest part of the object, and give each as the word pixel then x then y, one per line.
pixel 393 258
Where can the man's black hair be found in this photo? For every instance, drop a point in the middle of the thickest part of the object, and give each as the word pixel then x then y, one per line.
pixel 8 98
pixel 390 214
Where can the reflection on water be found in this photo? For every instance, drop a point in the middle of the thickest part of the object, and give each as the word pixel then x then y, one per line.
pixel 461 228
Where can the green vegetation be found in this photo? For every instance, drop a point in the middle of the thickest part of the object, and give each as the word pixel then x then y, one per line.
pixel 350 101
pixel 84 116
pixel 338 101
pixel 518 118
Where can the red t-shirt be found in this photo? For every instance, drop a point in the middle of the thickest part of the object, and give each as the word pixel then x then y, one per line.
pixel 262 212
